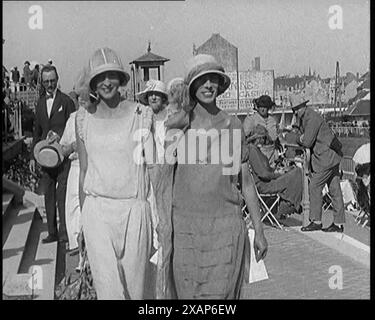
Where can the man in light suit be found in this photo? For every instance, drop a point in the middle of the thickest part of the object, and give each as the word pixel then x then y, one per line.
pixel 326 155
pixel 51 114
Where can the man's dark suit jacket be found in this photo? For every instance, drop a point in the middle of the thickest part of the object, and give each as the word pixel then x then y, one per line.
pixel 62 107
pixel 318 136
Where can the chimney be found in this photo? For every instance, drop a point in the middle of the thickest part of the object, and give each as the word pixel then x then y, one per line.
pixel 257 63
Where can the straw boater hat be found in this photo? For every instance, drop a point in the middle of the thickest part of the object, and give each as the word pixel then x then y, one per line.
pixel 48 155
pixel 298 102
pixel 202 64
pixel 152 86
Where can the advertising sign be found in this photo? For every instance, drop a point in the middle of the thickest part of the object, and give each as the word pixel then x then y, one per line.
pixel 253 84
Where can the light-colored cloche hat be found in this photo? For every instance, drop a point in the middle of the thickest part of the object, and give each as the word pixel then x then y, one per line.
pixel 298 102
pixel 202 64
pixel 48 155
pixel 152 86
pixel 105 59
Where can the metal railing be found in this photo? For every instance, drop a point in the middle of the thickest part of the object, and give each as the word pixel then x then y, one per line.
pixel 352 131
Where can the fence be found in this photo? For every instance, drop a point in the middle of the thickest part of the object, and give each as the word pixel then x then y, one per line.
pixel 12 113
pixel 12 116
pixel 25 93
pixel 347 166
pixel 352 131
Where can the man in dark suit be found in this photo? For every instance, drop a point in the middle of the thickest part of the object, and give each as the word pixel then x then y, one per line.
pixel 51 114
pixel 326 155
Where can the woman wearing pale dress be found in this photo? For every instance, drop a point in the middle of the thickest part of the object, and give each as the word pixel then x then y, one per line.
pixel 69 147
pixel 111 138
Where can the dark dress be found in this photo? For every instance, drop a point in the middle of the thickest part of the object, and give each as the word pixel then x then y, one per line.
pixel 210 237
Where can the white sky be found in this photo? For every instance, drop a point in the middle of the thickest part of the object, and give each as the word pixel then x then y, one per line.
pixel 288 35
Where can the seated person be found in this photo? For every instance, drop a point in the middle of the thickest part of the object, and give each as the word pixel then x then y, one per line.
pixel 287 182
pixel 363 186
pixel 262 117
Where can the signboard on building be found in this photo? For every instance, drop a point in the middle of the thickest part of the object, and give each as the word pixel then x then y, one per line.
pixel 253 84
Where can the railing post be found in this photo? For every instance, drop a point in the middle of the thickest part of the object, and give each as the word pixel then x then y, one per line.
pixel 6 124
pixel 15 121
pixel 20 119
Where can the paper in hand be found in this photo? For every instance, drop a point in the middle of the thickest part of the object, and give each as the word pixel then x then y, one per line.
pixel 258 269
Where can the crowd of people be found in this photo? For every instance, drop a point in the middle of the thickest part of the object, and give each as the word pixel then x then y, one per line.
pixel 29 79
pixel 135 185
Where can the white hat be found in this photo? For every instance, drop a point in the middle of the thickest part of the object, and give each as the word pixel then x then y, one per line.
pixel 105 59
pixel 152 86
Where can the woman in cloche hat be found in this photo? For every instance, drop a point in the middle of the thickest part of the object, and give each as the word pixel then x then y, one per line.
pixel 209 234
pixel 113 183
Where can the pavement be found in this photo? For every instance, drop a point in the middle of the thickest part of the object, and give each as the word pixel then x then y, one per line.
pixel 300 265
pixel 314 265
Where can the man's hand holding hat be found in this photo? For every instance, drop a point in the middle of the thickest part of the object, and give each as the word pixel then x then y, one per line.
pixel 52 137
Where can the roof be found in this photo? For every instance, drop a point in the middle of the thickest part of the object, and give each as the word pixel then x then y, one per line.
pixel 365 84
pixel 288 82
pixel 365 76
pixel 360 95
pixel 215 40
pixel 149 56
pixel 360 108
pixel 366 97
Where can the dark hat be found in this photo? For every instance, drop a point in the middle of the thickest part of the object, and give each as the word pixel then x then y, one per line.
pixel 264 101
pixel 27 62
pixel 48 155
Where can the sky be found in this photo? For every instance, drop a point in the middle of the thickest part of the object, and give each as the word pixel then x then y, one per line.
pixel 289 36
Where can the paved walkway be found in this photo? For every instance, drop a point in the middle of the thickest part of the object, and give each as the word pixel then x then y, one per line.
pixel 300 267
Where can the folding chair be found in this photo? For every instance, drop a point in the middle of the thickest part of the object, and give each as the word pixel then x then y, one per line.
pixel 327 199
pixel 362 218
pixel 265 208
pixel 268 209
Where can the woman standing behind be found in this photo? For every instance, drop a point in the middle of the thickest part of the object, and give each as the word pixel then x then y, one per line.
pixel 113 185
pixel 69 147
pixel 209 234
